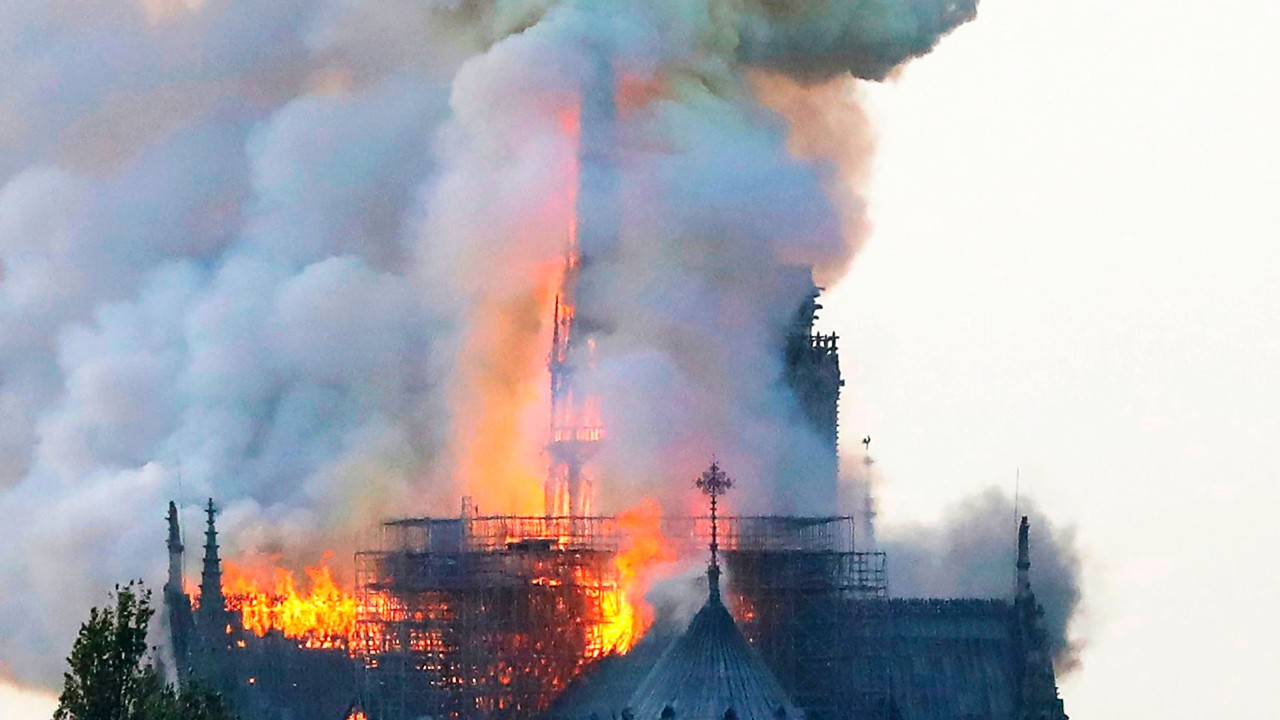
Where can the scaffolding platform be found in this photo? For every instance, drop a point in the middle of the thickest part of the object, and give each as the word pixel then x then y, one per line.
pixel 493 616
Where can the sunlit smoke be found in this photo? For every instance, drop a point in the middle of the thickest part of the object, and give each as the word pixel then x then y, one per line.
pixel 299 255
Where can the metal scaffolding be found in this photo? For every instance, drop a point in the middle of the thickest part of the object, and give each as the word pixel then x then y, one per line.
pixel 491 617
pixel 483 617
pixel 793 607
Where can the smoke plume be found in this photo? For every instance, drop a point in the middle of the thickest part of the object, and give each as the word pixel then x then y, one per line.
pixel 972 552
pixel 820 38
pixel 298 254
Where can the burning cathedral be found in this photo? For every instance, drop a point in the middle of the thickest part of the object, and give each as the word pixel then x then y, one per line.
pixel 495 616
pixel 499 616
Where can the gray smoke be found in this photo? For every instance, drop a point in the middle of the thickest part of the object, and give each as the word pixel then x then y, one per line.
pixel 972 553
pixel 869 38
pixel 271 251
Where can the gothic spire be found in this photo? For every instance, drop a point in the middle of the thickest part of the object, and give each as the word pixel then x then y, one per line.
pixel 713 483
pixel 1024 560
pixel 213 604
pixel 174 544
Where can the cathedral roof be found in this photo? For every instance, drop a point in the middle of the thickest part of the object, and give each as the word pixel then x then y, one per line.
pixel 709 670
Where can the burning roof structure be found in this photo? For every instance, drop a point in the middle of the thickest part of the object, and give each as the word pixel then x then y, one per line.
pixel 544 614
pixel 511 617
pixel 287 665
pixel 839 649
pixel 506 616
pixel 503 616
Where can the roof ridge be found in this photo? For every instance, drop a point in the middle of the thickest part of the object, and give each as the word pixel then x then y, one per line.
pixel 709 669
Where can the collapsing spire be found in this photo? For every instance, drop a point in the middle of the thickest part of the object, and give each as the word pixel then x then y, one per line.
pixel 575 424
pixel 576 429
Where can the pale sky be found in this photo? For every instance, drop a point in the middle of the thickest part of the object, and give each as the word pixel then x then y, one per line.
pixel 1074 272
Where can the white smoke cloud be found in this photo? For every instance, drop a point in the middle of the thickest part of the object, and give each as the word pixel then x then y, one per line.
pixel 251 250
pixel 206 233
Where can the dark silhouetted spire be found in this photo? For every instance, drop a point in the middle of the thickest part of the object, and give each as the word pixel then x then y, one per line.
pixel 176 602
pixel 213 605
pixel 1038 689
pixel 1024 560
pixel 711 671
pixel 174 543
pixel 713 483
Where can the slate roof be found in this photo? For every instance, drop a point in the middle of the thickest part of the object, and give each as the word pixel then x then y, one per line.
pixel 708 670
pixel 603 690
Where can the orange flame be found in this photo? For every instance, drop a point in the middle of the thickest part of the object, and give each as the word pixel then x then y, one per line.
pixel 615 631
pixel 501 400
pixel 645 550
pixel 625 612
pixel 324 616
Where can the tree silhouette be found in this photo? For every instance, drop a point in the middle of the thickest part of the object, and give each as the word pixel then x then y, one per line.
pixel 110 677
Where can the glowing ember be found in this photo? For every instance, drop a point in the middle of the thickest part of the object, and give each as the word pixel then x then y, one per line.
pixel 614 629
pixel 321 617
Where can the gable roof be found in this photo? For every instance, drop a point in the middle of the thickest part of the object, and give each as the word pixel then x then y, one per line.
pixel 708 670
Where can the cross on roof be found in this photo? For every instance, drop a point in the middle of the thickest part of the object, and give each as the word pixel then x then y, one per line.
pixel 714 483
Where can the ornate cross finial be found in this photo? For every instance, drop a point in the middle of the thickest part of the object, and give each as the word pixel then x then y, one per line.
pixel 713 483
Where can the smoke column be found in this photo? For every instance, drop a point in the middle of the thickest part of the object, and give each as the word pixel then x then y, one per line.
pixel 971 552
pixel 297 255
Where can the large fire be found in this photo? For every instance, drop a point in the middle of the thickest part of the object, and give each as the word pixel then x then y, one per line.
pixel 626 614
pixel 321 616
pixel 500 397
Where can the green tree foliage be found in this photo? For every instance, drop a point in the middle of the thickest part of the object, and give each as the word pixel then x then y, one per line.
pixel 110 676
pixel 107 679
pixel 193 703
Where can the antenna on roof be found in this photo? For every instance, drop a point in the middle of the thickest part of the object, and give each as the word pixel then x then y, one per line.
pixel 1017 492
